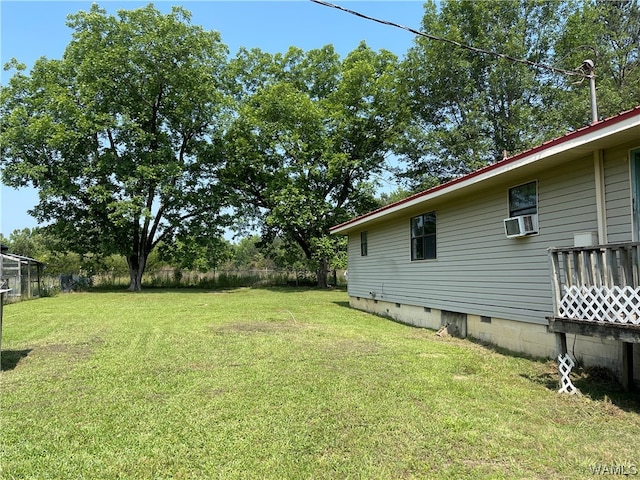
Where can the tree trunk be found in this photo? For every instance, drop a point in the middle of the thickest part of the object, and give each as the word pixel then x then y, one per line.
pixel 137 265
pixel 322 271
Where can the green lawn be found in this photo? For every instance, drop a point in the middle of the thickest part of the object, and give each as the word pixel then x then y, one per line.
pixel 282 384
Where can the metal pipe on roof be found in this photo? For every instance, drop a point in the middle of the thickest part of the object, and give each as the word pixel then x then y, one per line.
pixel 589 68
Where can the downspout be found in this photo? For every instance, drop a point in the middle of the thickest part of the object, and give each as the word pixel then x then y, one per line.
pixel 601 207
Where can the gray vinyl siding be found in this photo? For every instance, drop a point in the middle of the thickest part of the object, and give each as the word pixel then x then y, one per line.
pixel 478 270
pixel 618 195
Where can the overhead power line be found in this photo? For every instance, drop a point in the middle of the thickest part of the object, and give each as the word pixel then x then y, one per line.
pixel 457 44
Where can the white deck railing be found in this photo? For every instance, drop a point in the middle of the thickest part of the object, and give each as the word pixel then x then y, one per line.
pixel 599 283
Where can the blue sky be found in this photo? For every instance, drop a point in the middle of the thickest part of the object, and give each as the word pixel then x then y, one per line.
pixel 32 29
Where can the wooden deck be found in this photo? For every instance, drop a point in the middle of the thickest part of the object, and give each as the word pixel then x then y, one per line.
pixel 597 293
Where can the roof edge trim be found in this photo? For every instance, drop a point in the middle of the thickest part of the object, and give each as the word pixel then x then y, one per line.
pixel 556 145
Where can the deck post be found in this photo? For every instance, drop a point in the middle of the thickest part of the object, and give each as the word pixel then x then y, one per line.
pixel 555 280
pixel 561 343
pixel 627 366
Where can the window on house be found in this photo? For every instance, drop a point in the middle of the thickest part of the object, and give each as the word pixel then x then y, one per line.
pixel 364 246
pixel 423 236
pixel 523 199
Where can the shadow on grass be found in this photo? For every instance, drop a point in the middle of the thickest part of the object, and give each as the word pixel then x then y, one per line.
pixel 342 304
pixel 9 359
pixel 549 380
pixel 597 383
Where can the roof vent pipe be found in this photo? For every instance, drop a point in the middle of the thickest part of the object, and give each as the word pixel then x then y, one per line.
pixel 589 69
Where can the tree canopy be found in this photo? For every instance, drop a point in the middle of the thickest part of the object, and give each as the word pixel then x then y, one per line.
pixel 119 135
pixel 608 33
pixel 311 133
pixel 469 108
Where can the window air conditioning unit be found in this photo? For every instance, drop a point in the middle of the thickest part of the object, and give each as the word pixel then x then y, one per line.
pixel 521 226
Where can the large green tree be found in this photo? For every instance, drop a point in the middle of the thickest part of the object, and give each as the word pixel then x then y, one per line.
pixel 27 242
pixel 606 32
pixel 119 135
pixel 468 107
pixel 311 133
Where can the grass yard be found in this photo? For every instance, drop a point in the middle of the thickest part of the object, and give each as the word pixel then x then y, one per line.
pixel 282 384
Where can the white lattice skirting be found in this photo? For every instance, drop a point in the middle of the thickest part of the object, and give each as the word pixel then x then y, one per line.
pixel 565 365
pixel 604 304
